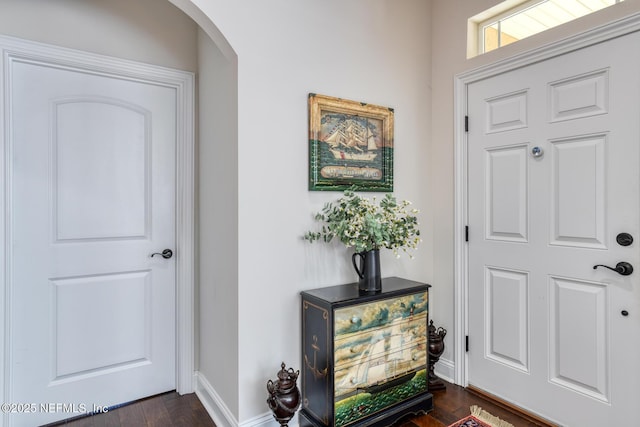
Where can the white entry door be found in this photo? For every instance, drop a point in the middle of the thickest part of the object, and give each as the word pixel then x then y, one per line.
pixel 92 196
pixel 554 160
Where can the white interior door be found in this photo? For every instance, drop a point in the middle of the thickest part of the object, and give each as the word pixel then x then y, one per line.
pixel 547 331
pixel 92 195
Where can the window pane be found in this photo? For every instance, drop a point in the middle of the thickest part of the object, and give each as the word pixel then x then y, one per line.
pixel 532 17
pixel 491 40
pixel 521 26
pixel 506 38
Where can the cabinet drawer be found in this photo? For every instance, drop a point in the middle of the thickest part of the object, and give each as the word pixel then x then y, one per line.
pixel 380 355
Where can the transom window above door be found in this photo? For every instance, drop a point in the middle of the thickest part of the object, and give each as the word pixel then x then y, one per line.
pixel 511 20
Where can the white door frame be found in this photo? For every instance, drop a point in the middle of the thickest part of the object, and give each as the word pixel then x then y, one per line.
pixel 13 49
pixel 599 34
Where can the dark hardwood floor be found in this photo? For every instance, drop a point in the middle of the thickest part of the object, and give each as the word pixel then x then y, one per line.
pixel 171 409
pixel 164 410
pixel 452 404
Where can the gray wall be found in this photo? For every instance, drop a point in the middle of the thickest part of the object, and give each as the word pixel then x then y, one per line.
pixel 150 31
pixel 218 221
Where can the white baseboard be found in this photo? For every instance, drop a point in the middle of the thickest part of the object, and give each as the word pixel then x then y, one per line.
pixel 215 406
pixel 220 413
pixel 267 420
pixel 445 369
pixel 264 420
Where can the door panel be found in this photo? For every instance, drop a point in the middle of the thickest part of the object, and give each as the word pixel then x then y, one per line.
pixel 113 142
pixel 578 191
pixel 579 308
pixel 506 184
pixel 507 112
pixel 507 320
pixel 579 96
pixel 92 196
pixel 546 329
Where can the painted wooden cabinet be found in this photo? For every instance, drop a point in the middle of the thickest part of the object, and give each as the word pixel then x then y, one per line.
pixel 364 356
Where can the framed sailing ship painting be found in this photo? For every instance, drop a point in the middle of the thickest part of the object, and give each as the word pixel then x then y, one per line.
pixel 350 145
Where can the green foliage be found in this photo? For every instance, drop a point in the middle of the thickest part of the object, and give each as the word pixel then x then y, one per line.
pixel 364 225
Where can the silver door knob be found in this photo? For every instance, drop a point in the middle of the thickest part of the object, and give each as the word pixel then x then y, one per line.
pixel 537 152
pixel 166 254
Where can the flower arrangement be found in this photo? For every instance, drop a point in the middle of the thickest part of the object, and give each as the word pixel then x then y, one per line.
pixel 361 223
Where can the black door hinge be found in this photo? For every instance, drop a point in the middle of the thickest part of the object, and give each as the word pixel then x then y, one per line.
pixel 466 233
pixel 466 343
pixel 466 123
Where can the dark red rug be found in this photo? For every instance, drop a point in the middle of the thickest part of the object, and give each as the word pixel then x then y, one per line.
pixel 480 418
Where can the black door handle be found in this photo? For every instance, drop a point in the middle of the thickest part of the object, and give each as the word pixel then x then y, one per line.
pixel 166 254
pixel 623 268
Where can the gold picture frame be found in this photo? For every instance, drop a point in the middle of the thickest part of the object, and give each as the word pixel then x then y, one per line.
pixel 350 145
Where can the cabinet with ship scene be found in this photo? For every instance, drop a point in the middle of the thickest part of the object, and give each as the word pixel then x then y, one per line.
pixel 364 356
